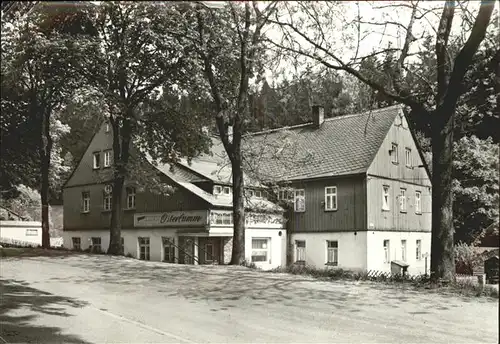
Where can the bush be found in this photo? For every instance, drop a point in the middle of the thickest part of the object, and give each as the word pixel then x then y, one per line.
pixel 250 265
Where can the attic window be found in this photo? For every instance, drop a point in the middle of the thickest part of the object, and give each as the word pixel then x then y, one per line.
pixel 250 193
pixel 107 128
pixel 96 160
pixel 394 153
pixel 258 193
pixel 226 190
pixel 217 190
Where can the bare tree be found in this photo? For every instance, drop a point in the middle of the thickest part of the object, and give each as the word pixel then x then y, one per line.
pixel 310 30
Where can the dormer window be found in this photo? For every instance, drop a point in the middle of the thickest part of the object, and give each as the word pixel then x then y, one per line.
pixel 217 189
pixel 258 193
pixel 250 193
pixel 226 190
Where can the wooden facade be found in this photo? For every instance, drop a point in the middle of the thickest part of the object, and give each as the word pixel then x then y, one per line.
pixel 360 197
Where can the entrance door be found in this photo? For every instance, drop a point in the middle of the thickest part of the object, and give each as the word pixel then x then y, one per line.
pixel 168 249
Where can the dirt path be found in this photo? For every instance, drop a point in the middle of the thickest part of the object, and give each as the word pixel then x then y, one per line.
pixel 99 299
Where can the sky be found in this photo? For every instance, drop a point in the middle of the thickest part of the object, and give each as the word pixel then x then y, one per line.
pixel 342 37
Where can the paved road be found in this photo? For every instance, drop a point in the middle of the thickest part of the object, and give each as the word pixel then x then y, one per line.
pixel 99 299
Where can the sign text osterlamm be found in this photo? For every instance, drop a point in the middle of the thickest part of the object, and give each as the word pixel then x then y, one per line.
pixel 171 219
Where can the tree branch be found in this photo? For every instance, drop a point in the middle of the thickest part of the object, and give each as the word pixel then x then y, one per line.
pixel 443 62
pixel 464 57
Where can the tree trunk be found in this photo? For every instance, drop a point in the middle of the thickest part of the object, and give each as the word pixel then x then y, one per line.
pixel 442 254
pixel 116 215
pixel 238 254
pixel 121 146
pixel 45 150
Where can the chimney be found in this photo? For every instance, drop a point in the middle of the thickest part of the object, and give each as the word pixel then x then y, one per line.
pixel 318 114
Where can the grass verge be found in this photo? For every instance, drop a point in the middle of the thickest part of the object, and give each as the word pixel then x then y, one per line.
pixel 419 282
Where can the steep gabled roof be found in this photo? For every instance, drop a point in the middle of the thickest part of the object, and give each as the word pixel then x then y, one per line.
pixel 344 145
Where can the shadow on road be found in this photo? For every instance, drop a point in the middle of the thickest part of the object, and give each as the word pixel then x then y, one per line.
pixel 18 297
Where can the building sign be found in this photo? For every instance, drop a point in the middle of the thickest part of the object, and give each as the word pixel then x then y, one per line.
pixel 192 218
pixel 221 218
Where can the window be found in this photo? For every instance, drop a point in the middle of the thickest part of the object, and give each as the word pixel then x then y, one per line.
pixel 260 250
pixel 419 249
pixel 418 202
pixel 209 252
pixel 168 250
pixel 31 232
pixel 385 198
pixel 130 197
pixel 217 190
pixel 122 245
pixel 77 243
pixel 331 198
pixel 107 128
pixel 402 201
pixel 300 251
pixel 144 248
pixel 408 161
pixel 227 219
pixel 95 244
pixel 403 250
pixel 85 202
pixel 250 193
pixel 97 160
pixel 285 195
pixel 387 256
pixel 332 255
pixel 300 200
pixel 107 198
pixel 258 193
pixel 107 158
pixel 226 190
pixel 394 153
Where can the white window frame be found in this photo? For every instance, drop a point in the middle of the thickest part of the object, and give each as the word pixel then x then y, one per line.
pixel 408 161
pixel 227 219
pixel 285 195
pixel 209 258
pixel 394 153
pixel 418 249
pixel 107 128
pixel 217 189
pixel 144 243
pixel 300 251
pixel 387 251
pixel 95 242
pixel 330 196
pixel 107 158
pixel 250 193
pixel 77 241
pixel 226 190
pixel 86 202
pixel 332 251
pixel 96 160
pixel 402 200
pixel 386 197
pixel 107 199
pixel 299 195
pixel 403 250
pixel 258 193
pixel 418 202
pixel 131 192
pixel 267 250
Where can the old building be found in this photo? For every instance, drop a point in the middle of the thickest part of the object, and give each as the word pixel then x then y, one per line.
pixel 191 224
pixel 354 190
